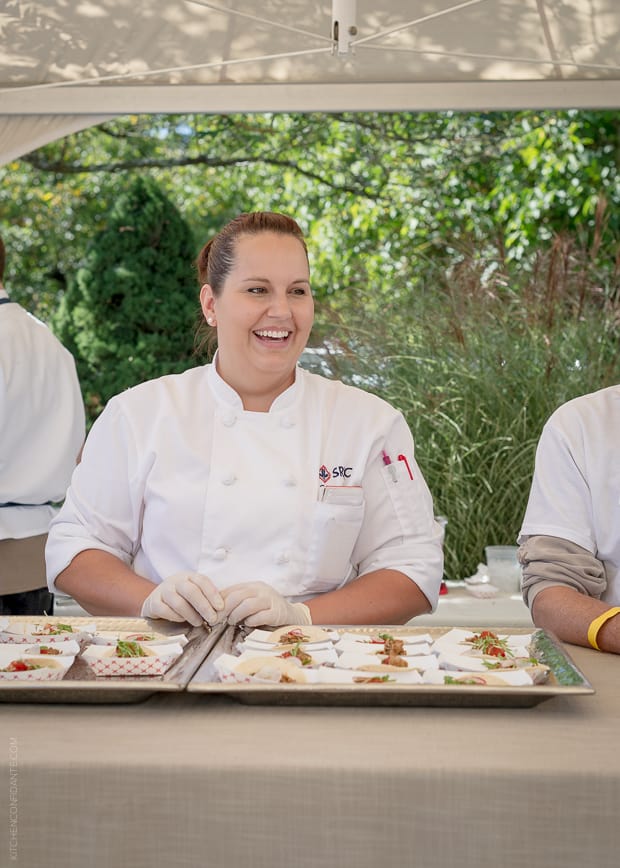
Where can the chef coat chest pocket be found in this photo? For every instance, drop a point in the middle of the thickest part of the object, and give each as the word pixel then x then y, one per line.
pixel 410 499
pixel 335 529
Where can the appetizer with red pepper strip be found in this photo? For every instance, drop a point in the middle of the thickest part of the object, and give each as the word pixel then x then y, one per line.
pixel 22 666
pixel 297 651
pixel 53 630
pixel 489 643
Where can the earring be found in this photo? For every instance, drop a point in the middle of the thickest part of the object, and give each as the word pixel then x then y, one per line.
pixel 210 321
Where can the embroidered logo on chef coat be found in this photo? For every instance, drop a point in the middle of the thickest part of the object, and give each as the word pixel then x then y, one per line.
pixel 342 472
pixel 338 472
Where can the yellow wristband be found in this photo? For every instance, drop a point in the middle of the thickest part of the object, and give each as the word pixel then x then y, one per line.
pixel 597 623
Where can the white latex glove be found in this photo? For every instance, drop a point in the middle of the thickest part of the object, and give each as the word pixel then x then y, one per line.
pixel 185 597
pixel 259 605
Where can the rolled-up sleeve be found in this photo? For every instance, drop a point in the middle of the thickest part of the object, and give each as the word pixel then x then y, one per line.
pixel 549 562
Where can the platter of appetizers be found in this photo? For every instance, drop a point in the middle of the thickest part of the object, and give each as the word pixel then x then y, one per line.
pixel 48 659
pixel 389 665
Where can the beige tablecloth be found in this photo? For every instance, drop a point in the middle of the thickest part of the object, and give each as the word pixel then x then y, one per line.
pixel 187 780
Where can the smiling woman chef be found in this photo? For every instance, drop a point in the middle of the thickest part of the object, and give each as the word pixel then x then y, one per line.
pixel 249 490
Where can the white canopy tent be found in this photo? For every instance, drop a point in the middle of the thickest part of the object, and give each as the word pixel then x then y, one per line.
pixel 68 64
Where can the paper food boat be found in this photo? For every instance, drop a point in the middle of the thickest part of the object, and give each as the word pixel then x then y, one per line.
pixel 293 633
pixel 329 675
pixel 369 663
pixel 20 632
pixel 504 678
pixel 49 668
pixel 370 649
pixel 102 660
pixel 265 648
pixel 262 670
pixel 320 656
pixel 374 638
pixel 144 637
pixel 66 648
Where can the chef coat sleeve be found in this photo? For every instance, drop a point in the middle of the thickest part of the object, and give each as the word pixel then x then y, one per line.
pixel 558 536
pixel 104 503
pixel 560 503
pixel 399 531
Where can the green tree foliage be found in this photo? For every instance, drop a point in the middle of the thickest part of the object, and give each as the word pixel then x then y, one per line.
pixel 129 313
pixel 383 197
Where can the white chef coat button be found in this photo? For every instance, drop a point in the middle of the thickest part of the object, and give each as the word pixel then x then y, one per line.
pixel 287 422
pixel 283 558
pixel 290 481
pixel 229 419
pixel 220 554
pixel 229 480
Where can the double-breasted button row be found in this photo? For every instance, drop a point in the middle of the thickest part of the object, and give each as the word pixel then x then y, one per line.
pixel 221 553
pixel 231 478
pixel 229 418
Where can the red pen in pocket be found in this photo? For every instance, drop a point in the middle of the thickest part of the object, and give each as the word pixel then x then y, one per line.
pixel 402 458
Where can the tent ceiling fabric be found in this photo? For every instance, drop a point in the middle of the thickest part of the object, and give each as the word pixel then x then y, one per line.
pixel 20 134
pixel 93 58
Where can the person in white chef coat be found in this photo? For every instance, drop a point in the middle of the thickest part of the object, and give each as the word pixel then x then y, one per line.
pixel 250 490
pixel 42 430
pixel 570 537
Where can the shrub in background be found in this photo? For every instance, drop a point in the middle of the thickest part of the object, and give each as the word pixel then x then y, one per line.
pixel 477 362
pixel 130 311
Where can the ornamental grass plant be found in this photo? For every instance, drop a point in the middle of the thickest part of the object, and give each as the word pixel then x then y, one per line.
pixel 477 360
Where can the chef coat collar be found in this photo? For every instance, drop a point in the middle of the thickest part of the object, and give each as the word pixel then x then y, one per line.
pixel 225 393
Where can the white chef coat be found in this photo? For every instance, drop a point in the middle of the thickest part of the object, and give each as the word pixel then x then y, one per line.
pixel 42 423
pixel 176 475
pixel 575 492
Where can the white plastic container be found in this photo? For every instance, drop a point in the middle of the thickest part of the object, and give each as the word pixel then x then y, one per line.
pixel 504 568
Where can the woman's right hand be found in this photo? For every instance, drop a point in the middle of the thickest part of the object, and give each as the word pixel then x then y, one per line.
pixel 185 596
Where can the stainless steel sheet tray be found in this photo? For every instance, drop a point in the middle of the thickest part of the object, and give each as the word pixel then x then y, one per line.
pixel 80 685
pixel 565 679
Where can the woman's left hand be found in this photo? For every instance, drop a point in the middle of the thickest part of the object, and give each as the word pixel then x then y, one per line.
pixel 258 604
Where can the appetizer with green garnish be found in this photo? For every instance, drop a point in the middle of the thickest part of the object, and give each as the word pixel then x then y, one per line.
pixel 129 649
